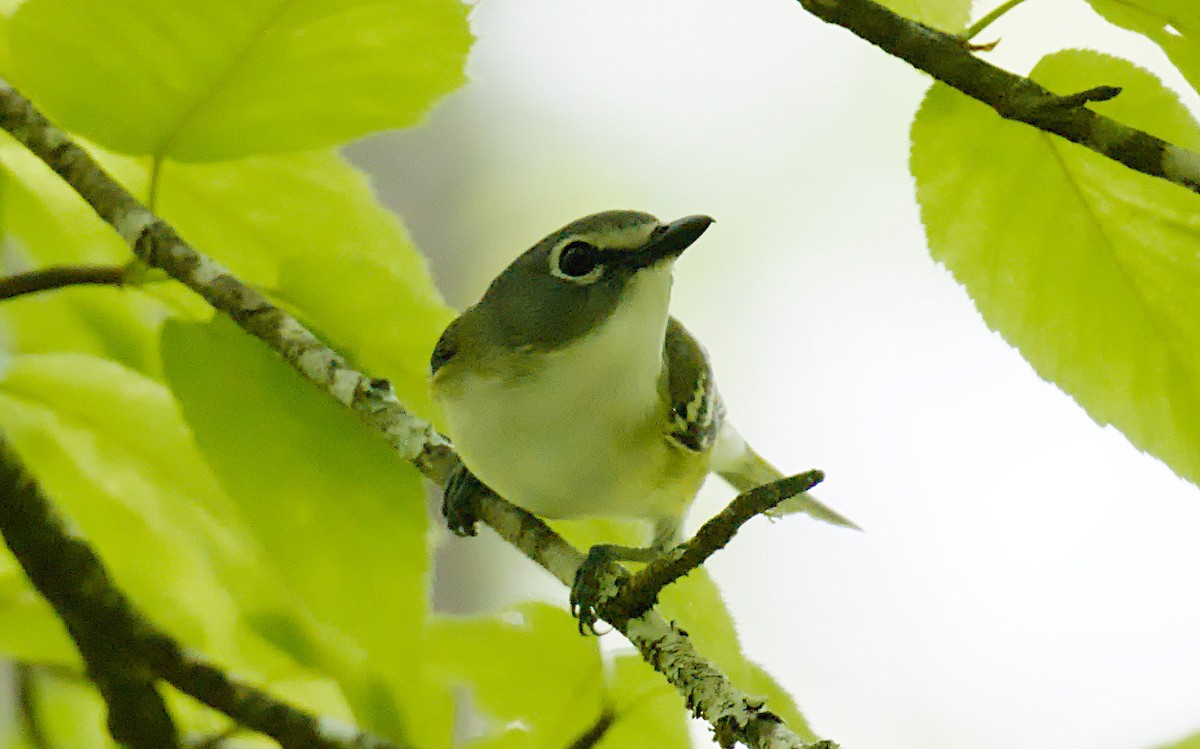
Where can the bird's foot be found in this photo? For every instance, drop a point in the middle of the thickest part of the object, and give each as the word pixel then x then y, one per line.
pixel 460 501
pixel 595 582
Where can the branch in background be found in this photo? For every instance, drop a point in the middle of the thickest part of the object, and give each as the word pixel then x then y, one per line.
pixel 124 653
pixel 289 726
pixel 948 58
pixel 734 715
pixel 68 574
pixel 59 277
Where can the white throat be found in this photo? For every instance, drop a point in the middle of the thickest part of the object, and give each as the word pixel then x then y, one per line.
pixel 626 349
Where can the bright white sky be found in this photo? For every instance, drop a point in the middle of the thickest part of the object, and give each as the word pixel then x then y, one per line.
pixel 1026 578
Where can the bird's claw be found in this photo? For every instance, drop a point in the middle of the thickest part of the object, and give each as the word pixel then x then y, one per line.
pixel 460 501
pixel 594 582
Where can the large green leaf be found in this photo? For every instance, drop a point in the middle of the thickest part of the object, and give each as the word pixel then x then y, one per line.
pixel 254 214
pixel 1087 267
pixel 339 516
pixel 646 709
pixel 107 446
pixel 528 670
pixel 203 81
pixel 1173 25
pixel 308 226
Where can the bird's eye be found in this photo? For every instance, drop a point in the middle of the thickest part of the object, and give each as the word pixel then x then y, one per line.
pixel 578 259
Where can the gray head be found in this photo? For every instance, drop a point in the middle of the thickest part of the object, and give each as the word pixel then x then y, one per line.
pixel 571 281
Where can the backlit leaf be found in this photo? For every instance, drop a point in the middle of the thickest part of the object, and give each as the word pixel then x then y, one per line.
pixel 1173 25
pixel 339 516
pixel 204 81
pixel 1087 267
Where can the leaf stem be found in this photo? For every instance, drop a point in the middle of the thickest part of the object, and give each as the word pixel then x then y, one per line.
pixel 156 165
pixel 58 277
pixel 987 20
pixel 27 699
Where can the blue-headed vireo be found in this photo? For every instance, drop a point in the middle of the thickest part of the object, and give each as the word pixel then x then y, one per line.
pixel 569 390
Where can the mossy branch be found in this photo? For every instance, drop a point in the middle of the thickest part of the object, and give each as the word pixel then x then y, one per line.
pixel 734 715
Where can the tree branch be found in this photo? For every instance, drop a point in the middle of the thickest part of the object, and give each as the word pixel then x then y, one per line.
pixel 733 714
pixel 642 589
pixel 59 277
pixel 68 574
pixel 124 653
pixel 948 58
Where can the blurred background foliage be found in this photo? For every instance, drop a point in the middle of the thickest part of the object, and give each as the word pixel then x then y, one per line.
pixel 1025 572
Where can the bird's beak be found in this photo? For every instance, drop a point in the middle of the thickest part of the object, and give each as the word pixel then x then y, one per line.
pixel 669 240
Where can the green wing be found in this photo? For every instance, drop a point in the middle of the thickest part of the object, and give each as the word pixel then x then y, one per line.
pixel 697 412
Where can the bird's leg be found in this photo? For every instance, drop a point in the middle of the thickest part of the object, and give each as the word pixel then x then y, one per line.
pixel 460 500
pixel 592 581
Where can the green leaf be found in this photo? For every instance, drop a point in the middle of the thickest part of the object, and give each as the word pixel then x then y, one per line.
pixel 1191 742
pixel 1171 24
pixel 56 224
pixel 29 629
pixel 338 514
pixel 110 450
pixel 946 15
pixel 223 79
pixel 645 709
pixel 46 224
pixel 255 213
pixel 309 226
pixel 71 713
pixel 1087 267
pixel 384 313
pixel 527 665
pixel 107 447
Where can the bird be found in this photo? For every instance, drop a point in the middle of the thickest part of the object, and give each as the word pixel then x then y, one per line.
pixel 569 390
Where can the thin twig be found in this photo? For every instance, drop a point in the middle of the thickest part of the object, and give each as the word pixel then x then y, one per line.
pixel 707 691
pixel 156 170
pixel 641 591
pixel 595 733
pixel 124 652
pixel 27 703
pixel 946 58
pixel 59 277
pixel 974 29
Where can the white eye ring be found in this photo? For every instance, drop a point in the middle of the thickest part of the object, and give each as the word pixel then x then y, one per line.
pixel 580 255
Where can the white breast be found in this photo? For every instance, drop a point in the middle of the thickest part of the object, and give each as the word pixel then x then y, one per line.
pixel 583 434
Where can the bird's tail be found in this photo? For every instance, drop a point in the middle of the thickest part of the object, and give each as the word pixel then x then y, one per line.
pixel 745 469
